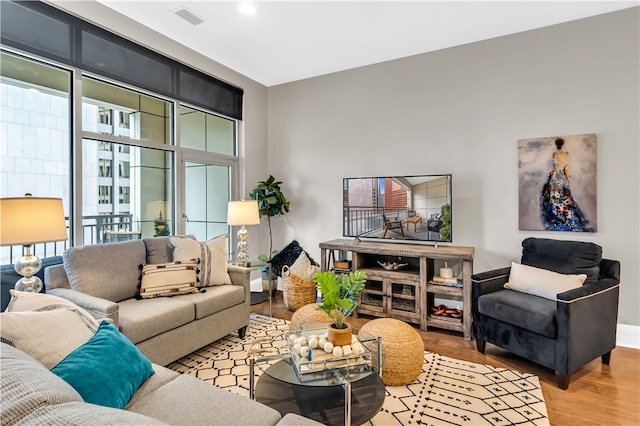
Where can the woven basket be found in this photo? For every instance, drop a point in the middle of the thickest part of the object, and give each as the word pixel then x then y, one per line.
pixel 297 292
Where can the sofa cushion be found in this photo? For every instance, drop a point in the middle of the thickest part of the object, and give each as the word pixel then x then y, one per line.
pixel 159 249
pixel 523 310
pixel 81 414
pixel 564 257
pixel 48 336
pixel 169 279
pixel 215 299
pixel 190 401
pixel 108 271
pixel 107 370
pixel 541 282
pixel 27 385
pixel 161 376
pixel 143 319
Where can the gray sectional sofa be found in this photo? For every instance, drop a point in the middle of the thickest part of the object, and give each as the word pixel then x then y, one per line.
pixel 32 395
pixel 103 279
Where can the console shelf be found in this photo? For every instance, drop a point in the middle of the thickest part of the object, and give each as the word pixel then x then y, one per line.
pixel 405 294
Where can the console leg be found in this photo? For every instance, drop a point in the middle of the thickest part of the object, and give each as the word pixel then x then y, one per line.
pixel 606 358
pixel 563 380
pixel 480 345
pixel 241 332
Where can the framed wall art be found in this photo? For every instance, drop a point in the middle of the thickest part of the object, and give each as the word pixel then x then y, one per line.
pixel 557 183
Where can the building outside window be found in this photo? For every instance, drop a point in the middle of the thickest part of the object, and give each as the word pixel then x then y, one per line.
pixel 121 126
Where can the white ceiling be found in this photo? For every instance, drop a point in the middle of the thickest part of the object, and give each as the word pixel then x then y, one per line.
pixel 286 41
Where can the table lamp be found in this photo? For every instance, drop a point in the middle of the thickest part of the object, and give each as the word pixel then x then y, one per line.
pixel 29 220
pixel 241 213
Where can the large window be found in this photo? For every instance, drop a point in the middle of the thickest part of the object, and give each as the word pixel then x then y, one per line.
pixel 34 130
pixel 120 173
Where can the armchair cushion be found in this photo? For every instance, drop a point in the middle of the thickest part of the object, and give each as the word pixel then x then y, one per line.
pixel 523 310
pixel 541 282
pixel 564 257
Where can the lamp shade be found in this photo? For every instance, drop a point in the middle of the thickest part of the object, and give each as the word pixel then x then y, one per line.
pixel 244 212
pixel 31 220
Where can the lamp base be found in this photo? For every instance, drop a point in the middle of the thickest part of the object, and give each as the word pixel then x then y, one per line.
pixel 28 266
pixel 30 284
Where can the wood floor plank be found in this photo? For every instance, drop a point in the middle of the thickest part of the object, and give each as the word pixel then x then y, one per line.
pixel 598 394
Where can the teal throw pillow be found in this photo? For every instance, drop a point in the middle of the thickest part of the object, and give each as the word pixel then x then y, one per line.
pixel 107 370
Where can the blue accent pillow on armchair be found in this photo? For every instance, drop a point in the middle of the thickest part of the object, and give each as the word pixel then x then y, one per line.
pixel 107 370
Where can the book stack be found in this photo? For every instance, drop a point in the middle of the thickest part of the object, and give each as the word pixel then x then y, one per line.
pixel 452 282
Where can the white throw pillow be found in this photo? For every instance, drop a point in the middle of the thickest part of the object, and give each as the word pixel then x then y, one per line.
pixel 303 268
pixel 48 336
pixel 212 255
pixel 218 273
pixel 541 282
pixel 27 301
pixel 169 279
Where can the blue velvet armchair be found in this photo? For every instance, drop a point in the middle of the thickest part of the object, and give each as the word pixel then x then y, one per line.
pixel 562 334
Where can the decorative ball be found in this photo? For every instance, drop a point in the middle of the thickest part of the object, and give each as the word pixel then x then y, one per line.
pixel 293 337
pixel 304 352
pixel 328 347
pixel 356 348
pixel 337 351
pixel 322 341
pixel 313 343
pixel 313 336
pixel 297 347
pixel 302 340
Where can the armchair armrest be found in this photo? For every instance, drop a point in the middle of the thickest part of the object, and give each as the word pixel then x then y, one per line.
pixel 99 308
pixel 490 281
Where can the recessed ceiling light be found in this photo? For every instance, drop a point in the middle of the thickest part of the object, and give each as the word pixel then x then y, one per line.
pixel 247 8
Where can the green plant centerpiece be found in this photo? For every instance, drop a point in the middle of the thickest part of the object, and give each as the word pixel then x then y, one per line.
pixel 340 294
pixel 271 202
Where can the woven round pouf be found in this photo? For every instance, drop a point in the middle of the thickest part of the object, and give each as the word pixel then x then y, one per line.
pixel 403 348
pixel 308 314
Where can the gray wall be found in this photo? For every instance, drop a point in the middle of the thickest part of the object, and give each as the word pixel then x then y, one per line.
pixel 462 111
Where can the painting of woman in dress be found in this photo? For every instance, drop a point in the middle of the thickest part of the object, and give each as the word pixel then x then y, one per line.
pixel 560 212
pixel 557 183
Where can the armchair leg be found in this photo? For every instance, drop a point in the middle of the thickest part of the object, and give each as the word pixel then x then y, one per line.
pixel 241 332
pixel 563 380
pixel 480 345
pixel 606 358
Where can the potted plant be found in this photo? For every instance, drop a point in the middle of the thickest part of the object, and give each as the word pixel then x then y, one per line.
pixel 340 294
pixel 271 202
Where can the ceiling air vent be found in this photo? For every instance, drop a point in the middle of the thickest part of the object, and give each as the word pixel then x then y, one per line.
pixel 189 16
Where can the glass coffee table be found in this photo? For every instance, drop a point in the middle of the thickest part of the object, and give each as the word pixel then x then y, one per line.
pixel 337 391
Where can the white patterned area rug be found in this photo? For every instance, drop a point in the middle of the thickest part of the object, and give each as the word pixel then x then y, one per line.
pixel 448 391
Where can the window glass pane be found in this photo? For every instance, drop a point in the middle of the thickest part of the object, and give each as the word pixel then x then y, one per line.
pixel 113 110
pixel 206 132
pixel 133 203
pixel 34 139
pixel 207 196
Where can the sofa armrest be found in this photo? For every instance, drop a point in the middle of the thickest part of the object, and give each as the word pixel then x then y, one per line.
pixel 99 308
pixel 56 277
pixel 239 275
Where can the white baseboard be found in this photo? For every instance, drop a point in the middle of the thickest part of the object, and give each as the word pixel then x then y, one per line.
pixel 628 336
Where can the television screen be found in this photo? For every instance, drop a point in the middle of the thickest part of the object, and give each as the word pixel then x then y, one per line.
pixel 411 208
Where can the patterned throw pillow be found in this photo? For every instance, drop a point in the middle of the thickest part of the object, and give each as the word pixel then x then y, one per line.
pixel 212 254
pixel 169 279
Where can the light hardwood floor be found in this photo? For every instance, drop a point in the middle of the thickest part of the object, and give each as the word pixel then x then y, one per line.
pixel 597 395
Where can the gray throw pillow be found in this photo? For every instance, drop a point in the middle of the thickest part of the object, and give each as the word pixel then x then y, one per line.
pixel 108 271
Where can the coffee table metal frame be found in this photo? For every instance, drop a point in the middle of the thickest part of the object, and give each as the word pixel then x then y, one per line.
pixel 338 373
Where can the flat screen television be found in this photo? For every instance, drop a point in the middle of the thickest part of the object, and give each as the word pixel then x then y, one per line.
pixel 403 208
